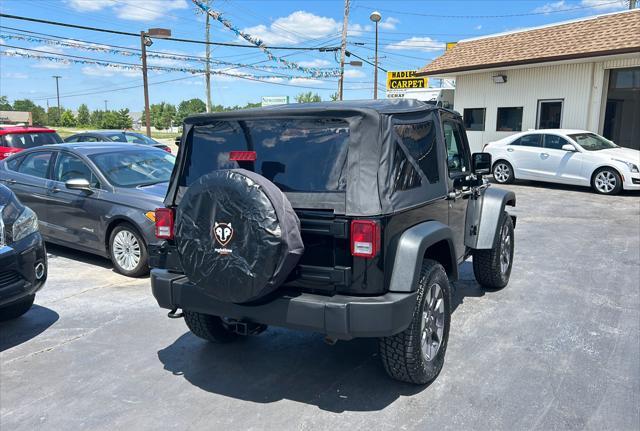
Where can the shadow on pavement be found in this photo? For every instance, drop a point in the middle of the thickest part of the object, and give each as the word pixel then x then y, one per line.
pixel 54 251
pixel 24 328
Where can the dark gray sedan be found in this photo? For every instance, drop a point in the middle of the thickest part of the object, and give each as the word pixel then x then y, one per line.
pixel 96 197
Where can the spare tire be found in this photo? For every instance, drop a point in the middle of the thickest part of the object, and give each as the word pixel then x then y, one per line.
pixel 237 235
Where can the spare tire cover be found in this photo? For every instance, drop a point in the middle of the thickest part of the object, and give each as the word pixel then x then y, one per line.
pixel 237 235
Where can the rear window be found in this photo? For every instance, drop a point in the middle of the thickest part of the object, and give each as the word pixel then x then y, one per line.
pixel 30 140
pixel 298 155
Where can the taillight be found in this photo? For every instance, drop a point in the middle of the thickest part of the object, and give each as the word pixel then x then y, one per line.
pixel 242 156
pixel 164 223
pixel 365 238
pixel 167 149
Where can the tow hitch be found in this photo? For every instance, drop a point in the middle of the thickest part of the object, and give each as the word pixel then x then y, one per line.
pixel 173 315
pixel 245 328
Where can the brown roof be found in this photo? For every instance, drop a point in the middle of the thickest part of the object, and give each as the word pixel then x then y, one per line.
pixel 602 35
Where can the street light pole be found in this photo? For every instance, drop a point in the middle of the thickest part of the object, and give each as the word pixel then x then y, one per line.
pixel 343 48
pixel 375 17
pixel 57 77
pixel 145 40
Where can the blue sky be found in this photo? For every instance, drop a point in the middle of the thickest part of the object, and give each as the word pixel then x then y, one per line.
pixel 407 41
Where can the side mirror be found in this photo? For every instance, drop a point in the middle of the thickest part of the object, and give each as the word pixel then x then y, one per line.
pixel 568 147
pixel 481 163
pixel 78 184
pixel 177 140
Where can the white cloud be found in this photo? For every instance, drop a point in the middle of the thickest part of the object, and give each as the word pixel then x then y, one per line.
pixel 133 10
pixel 294 28
pixel 15 75
pixel 598 5
pixel 314 63
pixel 354 73
pixel 389 23
pixel 357 29
pixel 306 81
pixel 425 44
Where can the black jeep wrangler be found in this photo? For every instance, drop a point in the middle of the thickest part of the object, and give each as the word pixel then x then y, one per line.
pixel 344 218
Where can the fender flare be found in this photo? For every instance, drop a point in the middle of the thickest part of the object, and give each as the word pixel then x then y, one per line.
pixel 494 201
pixel 410 250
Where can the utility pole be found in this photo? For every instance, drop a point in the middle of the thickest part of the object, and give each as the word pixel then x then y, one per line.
pixel 207 27
pixel 147 115
pixel 343 48
pixel 57 77
pixel 105 105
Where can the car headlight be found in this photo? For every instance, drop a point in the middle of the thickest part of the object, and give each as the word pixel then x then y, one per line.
pixel 632 167
pixel 25 224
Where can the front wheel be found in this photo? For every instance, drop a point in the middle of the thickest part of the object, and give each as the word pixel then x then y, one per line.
pixel 503 172
pixel 606 181
pixel 492 268
pixel 128 251
pixel 416 355
pixel 16 309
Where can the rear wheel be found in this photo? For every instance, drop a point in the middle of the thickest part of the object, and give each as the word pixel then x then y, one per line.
pixel 416 355
pixel 128 251
pixel 492 268
pixel 210 328
pixel 503 172
pixel 606 181
pixel 17 308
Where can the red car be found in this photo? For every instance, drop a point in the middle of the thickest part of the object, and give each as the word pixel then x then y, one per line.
pixel 18 138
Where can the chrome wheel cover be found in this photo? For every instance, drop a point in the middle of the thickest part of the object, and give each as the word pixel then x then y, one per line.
pixel 505 249
pixel 605 181
pixel 432 324
pixel 126 250
pixel 501 173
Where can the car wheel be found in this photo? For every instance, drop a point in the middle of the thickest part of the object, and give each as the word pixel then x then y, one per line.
pixel 16 309
pixel 503 172
pixel 492 268
pixel 416 355
pixel 128 251
pixel 606 181
pixel 210 328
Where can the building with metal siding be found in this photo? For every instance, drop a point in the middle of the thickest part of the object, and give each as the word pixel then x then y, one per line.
pixel 594 86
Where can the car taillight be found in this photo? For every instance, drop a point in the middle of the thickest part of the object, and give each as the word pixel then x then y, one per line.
pixel 365 238
pixel 242 156
pixel 167 149
pixel 164 223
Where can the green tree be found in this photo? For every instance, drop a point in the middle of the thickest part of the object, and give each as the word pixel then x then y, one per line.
pixel 124 120
pixel 162 115
pixel 84 116
pixel 38 115
pixel 110 120
pixel 67 119
pixel 189 107
pixel 95 119
pixel 308 97
pixel 4 104
pixel 53 116
pixel 334 97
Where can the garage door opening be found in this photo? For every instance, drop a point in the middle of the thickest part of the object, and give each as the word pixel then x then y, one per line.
pixel 621 123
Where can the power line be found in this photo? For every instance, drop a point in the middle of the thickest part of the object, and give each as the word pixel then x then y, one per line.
pixel 124 33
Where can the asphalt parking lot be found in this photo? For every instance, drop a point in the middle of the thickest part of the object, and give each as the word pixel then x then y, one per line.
pixel 559 348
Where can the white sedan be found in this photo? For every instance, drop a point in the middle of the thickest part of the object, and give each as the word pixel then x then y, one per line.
pixel 562 156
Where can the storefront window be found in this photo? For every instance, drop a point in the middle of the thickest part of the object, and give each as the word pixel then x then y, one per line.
pixel 509 119
pixel 474 119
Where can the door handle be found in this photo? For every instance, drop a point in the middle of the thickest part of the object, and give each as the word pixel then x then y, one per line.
pixel 544 155
pixel 10 181
pixel 510 150
pixel 457 194
pixel 55 190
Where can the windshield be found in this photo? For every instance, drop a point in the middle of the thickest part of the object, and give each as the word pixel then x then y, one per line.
pixel 30 140
pixel 592 142
pixel 135 168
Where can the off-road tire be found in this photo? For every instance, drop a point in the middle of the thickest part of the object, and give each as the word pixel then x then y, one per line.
pixel 210 328
pixel 401 354
pixel 502 179
pixel 487 263
pixel 613 176
pixel 142 268
pixel 16 309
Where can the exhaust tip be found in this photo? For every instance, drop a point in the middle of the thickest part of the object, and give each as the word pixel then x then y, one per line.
pixel 39 270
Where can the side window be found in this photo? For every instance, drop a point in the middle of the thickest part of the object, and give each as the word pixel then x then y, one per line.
pixel 554 142
pixel 421 142
pixel 457 158
pixel 405 176
pixel 12 164
pixel 73 139
pixel 534 140
pixel 69 167
pixel 88 138
pixel 35 164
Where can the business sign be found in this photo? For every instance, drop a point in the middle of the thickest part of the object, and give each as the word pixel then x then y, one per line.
pixel 274 100
pixel 15 117
pixel 450 45
pixel 405 80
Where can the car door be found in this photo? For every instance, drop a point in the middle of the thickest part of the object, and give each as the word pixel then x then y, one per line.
pixel 29 182
pixel 459 168
pixel 524 153
pixel 558 165
pixel 75 214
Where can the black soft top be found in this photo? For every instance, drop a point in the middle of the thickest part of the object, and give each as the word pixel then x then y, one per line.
pixel 371 157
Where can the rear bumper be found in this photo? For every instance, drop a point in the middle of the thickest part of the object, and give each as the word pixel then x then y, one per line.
pixel 17 269
pixel 339 316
